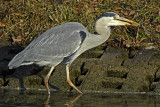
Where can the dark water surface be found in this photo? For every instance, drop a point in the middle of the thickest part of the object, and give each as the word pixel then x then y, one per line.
pixel 12 98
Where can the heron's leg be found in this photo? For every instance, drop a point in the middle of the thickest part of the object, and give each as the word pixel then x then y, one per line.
pixel 69 81
pixel 47 78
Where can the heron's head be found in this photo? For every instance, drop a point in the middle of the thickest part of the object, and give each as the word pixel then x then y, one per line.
pixel 113 19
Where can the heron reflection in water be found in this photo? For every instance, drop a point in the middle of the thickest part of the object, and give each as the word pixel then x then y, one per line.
pixel 69 103
pixel 62 44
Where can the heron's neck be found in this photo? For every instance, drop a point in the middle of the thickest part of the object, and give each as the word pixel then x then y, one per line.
pixel 101 27
pixel 103 34
pixel 94 40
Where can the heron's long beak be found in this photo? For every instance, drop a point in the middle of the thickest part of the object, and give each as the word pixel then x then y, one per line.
pixel 127 21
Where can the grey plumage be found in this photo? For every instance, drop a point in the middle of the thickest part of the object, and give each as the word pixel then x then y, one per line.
pixel 52 46
pixel 64 43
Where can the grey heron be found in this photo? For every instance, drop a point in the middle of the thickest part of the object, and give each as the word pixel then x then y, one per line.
pixel 62 44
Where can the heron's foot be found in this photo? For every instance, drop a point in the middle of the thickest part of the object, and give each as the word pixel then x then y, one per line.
pixel 80 92
pixel 72 85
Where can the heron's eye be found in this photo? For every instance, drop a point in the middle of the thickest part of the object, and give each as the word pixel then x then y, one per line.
pixel 116 17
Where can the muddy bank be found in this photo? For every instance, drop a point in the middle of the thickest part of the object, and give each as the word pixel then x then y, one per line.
pixel 111 69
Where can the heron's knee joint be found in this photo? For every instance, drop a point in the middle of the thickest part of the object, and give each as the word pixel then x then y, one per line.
pixel 46 79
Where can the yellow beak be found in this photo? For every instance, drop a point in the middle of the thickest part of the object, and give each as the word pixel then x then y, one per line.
pixel 127 21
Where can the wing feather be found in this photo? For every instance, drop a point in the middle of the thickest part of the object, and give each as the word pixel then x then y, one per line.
pixel 57 42
pixel 52 46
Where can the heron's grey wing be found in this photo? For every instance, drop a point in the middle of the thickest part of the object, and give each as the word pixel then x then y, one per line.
pixel 54 47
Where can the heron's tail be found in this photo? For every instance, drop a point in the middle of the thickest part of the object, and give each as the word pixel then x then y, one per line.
pixel 16 61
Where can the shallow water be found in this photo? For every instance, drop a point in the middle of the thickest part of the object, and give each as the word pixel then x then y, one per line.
pixel 34 98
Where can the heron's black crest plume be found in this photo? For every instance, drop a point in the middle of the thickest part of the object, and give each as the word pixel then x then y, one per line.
pixel 107 14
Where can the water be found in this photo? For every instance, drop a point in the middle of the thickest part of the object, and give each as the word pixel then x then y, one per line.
pixel 12 98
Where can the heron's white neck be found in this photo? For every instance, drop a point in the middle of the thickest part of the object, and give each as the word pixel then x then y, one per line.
pixel 102 28
pixel 94 40
pixel 103 32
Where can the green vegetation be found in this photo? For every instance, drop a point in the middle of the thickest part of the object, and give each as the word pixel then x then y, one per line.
pixel 23 20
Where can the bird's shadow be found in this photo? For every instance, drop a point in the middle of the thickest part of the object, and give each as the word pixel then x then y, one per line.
pixel 8 75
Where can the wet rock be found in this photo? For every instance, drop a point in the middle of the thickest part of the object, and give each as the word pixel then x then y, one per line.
pixel 119 71
pixel 76 67
pixel 132 52
pixel 33 81
pixel 141 58
pixel 156 87
pixel 155 59
pixel 98 77
pixel 158 75
pixel 139 78
pixel 89 64
pixel 1 82
pixel 114 56
pixel 24 77
pixel 14 83
pixel 21 77
pixel 93 79
pixel 80 79
pixel 111 82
